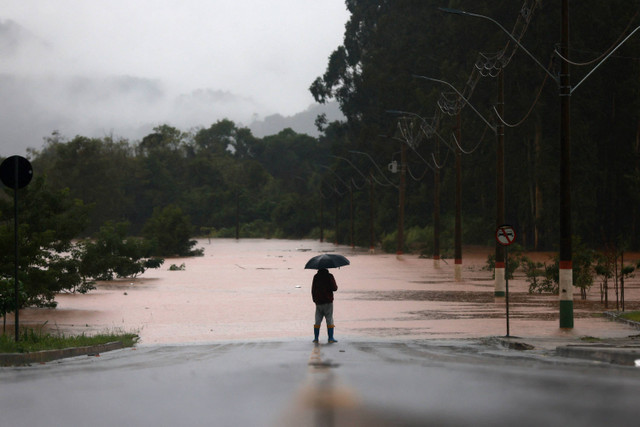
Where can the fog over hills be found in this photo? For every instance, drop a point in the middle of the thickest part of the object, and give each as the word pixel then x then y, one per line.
pixel 303 122
pixel 120 68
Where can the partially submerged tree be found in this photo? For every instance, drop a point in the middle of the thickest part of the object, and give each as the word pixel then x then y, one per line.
pixel 170 231
pixel 50 261
pixel 113 254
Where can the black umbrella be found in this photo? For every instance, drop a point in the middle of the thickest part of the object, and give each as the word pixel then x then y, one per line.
pixel 326 261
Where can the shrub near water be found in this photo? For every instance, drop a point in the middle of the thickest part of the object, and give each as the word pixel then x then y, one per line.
pixel 35 340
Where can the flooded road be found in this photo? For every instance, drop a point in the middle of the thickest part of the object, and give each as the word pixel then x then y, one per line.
pixel 256 289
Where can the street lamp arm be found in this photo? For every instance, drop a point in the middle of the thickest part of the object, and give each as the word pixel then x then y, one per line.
pixel 475 15
pixel 599 63
pixel 407 113
pixel 461 96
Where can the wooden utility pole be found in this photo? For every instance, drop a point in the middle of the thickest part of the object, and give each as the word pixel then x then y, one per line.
pixel 458 221
pixel 566 263
pixel 500 267
pixel 436 208
pixel 403 171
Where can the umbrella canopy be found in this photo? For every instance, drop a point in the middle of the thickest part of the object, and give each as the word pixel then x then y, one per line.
pixel 326 261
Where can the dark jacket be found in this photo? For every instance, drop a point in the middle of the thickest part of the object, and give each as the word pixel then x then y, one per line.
pixel 323 287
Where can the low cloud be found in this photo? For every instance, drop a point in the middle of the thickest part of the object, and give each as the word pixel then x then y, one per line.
pixel 124 106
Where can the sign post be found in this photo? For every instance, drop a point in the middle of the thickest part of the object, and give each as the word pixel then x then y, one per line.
pixel 506 235
pixel 16 173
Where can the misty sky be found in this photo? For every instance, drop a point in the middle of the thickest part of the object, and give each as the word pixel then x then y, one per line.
pixel 97 67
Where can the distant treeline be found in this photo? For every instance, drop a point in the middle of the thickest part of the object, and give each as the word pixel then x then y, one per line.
pixel 220 177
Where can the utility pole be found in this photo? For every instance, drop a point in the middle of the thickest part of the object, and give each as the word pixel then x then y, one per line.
pixel 237 214
pixel 403 171
pixel 372 243
pixel 436 209
pixel 566 263
pixel 458 222
pixel 337 221
pixel 351 241
pixel 500 268
pixel 321 218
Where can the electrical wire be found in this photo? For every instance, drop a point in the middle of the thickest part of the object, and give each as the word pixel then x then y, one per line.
pixel 356 186
pixel 435 162
pixel 526 116
pixel 490 65
pixel 379 170
pixel 579 64
pixel 421 176
pixel 475 148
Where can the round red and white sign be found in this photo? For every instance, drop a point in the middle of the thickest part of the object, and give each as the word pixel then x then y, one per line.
pixel 505 235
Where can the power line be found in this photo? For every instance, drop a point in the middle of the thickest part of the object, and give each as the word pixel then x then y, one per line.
pixel 579 64
pixel 526 116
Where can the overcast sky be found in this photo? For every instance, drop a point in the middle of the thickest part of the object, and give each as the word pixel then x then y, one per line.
pixel 98 67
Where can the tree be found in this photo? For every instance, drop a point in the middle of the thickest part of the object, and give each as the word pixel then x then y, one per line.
pixel 170 231
pixel 386 42
pixel 8 300
pixel 96 171
pixel 51 261
pixel 112 253
pixel 48 222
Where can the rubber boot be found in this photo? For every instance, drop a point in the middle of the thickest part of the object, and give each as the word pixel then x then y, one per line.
pixel 330 331
pixel 316 332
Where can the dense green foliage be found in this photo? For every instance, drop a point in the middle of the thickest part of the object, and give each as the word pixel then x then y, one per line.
pixel 111 253
pixel 169 232
pixel 51 259
pixel 217 180
pixel 387 42
pixel 49 220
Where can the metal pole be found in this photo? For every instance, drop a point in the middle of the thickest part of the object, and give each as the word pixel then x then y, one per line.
pixel 237 214
pixel 351 215
pixel 566 264
pixel 436 209
pixel 500 267
pixel 506 282
pixel 337 221
pixel 458 221
pixel 15 239
pixel 371 214
pixel 403 170
pixel 321 219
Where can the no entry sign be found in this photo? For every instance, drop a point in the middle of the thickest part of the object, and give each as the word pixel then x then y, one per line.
pixel 505 235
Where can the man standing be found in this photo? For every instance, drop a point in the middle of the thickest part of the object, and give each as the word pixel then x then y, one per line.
pixel 324 285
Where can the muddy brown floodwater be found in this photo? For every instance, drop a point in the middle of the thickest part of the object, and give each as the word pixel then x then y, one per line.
pixel 255 289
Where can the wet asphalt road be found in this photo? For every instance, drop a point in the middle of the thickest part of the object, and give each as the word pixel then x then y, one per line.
pixel 294 383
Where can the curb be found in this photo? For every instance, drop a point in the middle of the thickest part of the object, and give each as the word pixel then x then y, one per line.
pixel 18 359
pixel 615 355
pixel 615 315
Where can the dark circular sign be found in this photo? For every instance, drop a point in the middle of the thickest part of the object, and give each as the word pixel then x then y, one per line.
pixel 16 172
pixel 505 235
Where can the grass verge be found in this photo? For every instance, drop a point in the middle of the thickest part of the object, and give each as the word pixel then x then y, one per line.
pixel 32 340
pixel 631 315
